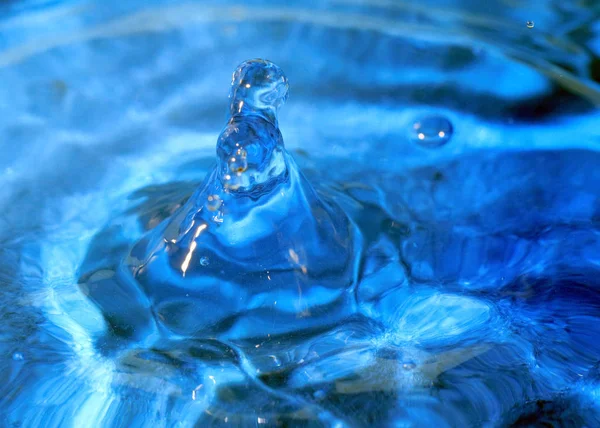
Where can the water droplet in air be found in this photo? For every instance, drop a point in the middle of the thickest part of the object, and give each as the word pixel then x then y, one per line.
pixel 204 261
pixel 530 24
pixel 431 131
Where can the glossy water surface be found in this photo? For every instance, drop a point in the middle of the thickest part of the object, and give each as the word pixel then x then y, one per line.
pixel 353 273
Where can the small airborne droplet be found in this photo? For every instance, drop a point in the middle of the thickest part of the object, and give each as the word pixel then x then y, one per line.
pixel 431 131
pixel 530 24
pixel 204 261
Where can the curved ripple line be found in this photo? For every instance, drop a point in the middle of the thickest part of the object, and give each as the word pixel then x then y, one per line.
pixel 166 18
pixel 250 370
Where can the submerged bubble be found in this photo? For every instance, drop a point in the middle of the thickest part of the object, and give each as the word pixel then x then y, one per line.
pixel 17 356
pixel 213 202
pixel 204 261
pixel 431 131
pixel 530 24
pixel 238 163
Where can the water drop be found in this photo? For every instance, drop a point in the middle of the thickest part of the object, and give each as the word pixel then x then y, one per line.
pixel 530 24
pixel 204 261
pixel 431 131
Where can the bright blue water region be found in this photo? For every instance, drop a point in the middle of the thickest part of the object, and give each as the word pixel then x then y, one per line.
pixel 412 240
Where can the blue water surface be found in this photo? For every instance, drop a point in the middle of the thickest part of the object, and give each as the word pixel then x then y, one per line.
pixel 412 240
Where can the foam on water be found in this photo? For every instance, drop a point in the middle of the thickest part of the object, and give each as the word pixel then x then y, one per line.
pixel 349 277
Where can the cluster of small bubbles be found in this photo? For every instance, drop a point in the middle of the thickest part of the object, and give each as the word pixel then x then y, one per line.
pixel 431 131
pixel 213 202
pixel 238 162
pixel 204 261
pixel 530 24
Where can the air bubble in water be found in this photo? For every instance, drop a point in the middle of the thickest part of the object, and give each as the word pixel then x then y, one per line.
pixel 530 24
pixel 238 162
pixel 431 131
pixel 204 261
pixel 213 202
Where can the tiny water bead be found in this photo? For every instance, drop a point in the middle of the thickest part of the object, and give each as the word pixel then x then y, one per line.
pixel 238 163
pixel 431 131
pixel 530 24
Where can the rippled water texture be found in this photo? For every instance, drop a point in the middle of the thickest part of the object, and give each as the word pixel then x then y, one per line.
pixel 441 267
